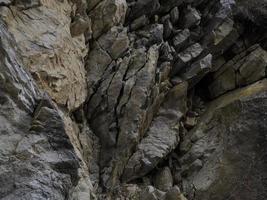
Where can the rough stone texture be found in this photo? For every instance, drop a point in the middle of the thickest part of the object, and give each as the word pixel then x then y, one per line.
pixel 141 7
pixel 232 146
pixel 106 14
pixel 13 78
pixel 191 18
pixel 174 194
pixel 242 70
pixel 35 150
pixel 54 58
pixel 162 136
pixel 127 104
pixel 138 99
pixel 198 70
pixel 187 56
pixel 163 179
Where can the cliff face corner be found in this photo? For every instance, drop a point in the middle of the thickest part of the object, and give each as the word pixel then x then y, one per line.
pixel 133 99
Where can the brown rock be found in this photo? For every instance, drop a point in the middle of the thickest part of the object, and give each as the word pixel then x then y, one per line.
pixel 54 58
pixel 106 14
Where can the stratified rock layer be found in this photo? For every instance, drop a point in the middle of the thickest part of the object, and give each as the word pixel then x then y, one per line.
pixel 133 99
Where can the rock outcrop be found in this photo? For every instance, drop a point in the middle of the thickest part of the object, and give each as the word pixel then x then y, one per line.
pixel 133 99
pixel 54 58
pixel 37 158
pixel 230 142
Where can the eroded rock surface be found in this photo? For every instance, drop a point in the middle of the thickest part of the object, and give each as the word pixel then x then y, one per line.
pixel 133 99
pixel 230 141
pixel 37 158
pixel 53 57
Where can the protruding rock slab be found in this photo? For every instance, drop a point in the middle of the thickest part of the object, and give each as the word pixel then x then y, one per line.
pixel 106 14
pixel 244 69
pixel 163 179
pixel 232 147
pixel 162 136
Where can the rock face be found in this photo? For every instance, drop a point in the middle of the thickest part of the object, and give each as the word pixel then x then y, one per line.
pixel 232 147
pixel 244 69
pixel 35 149
pixel 162 136
pixel 53 57
pixel 133 99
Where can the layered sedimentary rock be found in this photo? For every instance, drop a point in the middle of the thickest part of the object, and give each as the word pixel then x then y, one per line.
pixel 124 99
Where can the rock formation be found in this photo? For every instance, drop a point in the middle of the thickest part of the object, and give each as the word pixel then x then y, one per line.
pixel 133 99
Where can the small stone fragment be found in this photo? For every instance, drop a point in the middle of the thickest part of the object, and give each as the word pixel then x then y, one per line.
pixel 181 39
pixel 168 29
pixel 198 70
pixel 163 179
pixel 174 15
pixel 191 18
pixel 139 23
pixel 79 26
pixel 186 57
pixel 174 194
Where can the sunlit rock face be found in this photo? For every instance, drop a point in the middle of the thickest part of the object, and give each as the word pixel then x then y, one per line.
pixel 54 58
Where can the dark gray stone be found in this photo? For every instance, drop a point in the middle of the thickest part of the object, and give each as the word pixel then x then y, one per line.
pixel 174 14
pixel 192 17
pixel 233 147
pixel 181 39
pixel 162 136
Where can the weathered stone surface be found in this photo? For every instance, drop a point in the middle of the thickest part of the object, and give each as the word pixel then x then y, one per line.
pixel 142 118
pixel 115 42
pixel 180 40
pixel 35 150
pixel 168 29
pixel 106 14
pixel 163 179
pixel 139 23
pixel 15 80
pixel 235 139
pixel 122 106
pixel 149 193
pixel 198 70
pixel 143 7
pixel 54 58
pixel 191 18
pixel 150 35
pixel 240 71
pixel 167 5
pixel 166 52
pixel 255 11
pixel 5 2
pixel 93 3
pixel 174 14
pixel 162 136
pixel 79 26
pixel 186 57
pixel 223 30
pixel 23 5
pixel 174 194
